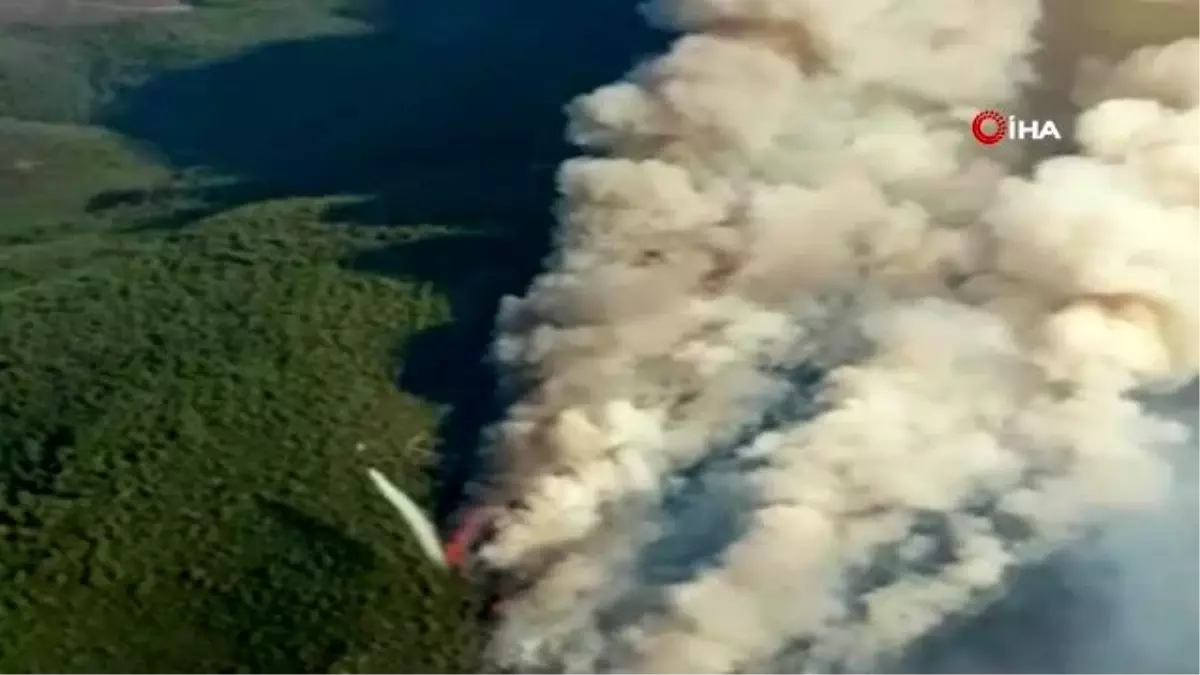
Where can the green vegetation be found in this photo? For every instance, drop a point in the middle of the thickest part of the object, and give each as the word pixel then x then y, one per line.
pixel 192 385
pixel 185 426
pixel 51 171
pixel 247 251
pixel 67 73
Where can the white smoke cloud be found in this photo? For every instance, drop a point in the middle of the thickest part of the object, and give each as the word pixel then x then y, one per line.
pixel 810 372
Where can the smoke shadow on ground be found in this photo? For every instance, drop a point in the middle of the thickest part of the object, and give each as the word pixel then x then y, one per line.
pixel 448 364
pixel 447 113
pixel 439 107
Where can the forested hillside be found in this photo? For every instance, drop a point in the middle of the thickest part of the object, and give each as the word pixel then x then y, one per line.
pixel 245 251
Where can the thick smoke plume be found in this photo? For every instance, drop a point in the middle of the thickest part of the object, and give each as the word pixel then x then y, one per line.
pixel 810 371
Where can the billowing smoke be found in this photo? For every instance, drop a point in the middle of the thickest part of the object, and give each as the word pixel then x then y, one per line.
pixel 811 372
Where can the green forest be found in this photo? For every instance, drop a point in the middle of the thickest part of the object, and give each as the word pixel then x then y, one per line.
pixel 247 251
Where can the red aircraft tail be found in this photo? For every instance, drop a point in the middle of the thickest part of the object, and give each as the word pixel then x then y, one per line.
pixel 462 539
